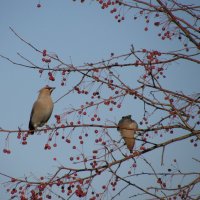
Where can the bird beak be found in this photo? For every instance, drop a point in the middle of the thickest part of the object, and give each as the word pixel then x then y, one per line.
pixel 52 89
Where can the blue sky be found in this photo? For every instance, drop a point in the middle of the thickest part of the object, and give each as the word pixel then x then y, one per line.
pixel 78 33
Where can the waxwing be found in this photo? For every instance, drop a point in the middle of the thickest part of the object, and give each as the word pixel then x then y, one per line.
pixel 42 109
pixel 127 127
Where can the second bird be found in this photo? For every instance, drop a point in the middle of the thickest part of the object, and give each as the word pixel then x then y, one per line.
pixel 42 109
pixel 127 127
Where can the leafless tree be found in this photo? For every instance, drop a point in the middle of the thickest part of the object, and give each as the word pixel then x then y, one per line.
pixel 169 117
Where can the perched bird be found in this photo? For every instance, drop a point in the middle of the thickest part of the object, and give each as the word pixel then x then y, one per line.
pixel 127 127
pixel 42 109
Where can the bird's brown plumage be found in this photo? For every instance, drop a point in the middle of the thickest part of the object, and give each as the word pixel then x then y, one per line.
pixel 42 109
pixel 127 127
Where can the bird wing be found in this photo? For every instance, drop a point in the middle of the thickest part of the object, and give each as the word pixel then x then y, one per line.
pixel 31 127
pixel 41 111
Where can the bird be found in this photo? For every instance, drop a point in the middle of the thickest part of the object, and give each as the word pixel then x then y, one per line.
pixel 42 109
pixel 127 127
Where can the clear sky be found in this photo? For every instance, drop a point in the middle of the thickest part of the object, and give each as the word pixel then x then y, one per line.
pixel 78 33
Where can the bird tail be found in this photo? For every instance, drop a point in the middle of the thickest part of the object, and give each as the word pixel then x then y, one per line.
pixel 31 128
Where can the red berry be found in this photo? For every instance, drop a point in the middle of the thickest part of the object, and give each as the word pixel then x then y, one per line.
pixel 8 151
pixel 157 23
pixel 159 181
pixel 44 53
pixel 142 148
pixel 68 140
pixel 71 158
pixel 4 150
pixel 104 187
pixel 38 5
pixel 119 106
pixel 80 137
pixel 96 131
pixel 50 73
pixel 134 165
pixel 40 71
pixel 51 78
pixel 144 50
pixel 92 119
pixel 24 142
pixel 46 146
pixel 54 145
